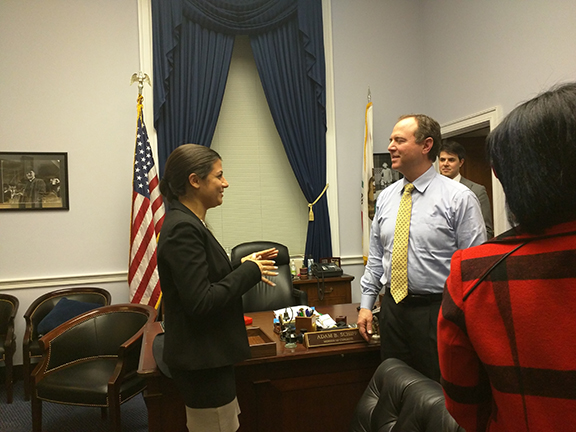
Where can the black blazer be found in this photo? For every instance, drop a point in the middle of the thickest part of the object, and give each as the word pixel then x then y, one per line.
pixel 202 295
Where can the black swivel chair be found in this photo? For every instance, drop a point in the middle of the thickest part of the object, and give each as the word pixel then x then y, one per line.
pixel 401 399
pixel 263 297
pixel 8 309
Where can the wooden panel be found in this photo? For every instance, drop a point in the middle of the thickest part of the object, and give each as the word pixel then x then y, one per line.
pixel 336 290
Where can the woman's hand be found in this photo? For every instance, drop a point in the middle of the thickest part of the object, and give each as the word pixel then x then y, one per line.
pixel 265 254
pixel 265 263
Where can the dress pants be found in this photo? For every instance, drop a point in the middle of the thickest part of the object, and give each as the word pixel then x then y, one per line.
pixel 408 331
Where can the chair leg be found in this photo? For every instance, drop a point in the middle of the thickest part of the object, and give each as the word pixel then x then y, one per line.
pixel 115 418
pixel 9 378
pixel 36 414
pixel 26 375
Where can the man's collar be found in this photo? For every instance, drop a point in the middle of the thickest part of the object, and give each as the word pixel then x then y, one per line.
pixel 422 182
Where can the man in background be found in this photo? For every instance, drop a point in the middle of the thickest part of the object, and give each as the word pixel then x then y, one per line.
pixel 419 222
pixel 34 190
pixel 452 155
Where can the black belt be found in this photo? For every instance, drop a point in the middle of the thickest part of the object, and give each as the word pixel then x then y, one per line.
pixel 418 299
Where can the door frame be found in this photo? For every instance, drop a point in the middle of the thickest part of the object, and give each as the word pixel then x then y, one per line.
pixel 490 117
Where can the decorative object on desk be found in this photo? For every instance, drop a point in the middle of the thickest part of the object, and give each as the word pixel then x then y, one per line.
pixel 304 273
pixel 34 181
pixel 333 260
pixel 247 320
pixel 375 339
pixel 305 323
pixel 291 340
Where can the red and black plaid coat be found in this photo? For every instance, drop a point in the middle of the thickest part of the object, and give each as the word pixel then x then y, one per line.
pixel 507 333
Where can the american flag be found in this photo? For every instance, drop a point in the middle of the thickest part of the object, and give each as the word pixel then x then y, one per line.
pixel 147 218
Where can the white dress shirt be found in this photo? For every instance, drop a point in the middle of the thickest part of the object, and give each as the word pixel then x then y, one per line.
pixel 446 217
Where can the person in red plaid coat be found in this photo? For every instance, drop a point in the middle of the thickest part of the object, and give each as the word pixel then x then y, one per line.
pixel 507 326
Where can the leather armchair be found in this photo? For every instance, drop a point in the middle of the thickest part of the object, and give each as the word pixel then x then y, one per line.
pixel 41 307
pixel 92 360
pixel 8 308
pixel 401 399
pixel 263 297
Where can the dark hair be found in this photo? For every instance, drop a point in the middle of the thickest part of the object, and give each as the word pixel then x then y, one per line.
pixel 427 127
pixel 183 161
pixel 533 154
pixel 453 147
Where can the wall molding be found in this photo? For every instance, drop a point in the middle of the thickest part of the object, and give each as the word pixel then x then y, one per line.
pixel 63 281
pixel 490 117
pixel 331 159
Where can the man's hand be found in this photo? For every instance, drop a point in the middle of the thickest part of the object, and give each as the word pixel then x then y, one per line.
pixel 365 323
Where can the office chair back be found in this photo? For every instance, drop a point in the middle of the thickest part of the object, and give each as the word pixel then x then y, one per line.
pixel 38 310
pixel 8 308
pixel 263 297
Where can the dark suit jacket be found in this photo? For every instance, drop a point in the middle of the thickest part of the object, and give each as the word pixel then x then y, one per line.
pixel 202 295
pixel 480 192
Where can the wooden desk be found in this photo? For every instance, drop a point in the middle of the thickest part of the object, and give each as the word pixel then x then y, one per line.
pixel 337 290
pixel 298 390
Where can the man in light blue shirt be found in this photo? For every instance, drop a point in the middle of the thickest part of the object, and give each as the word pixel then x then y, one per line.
pixel 445 216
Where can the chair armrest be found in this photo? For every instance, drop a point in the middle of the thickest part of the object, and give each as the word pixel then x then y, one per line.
pixel 129 354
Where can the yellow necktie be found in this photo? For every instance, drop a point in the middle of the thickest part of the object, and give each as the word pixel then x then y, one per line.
pixel 399 276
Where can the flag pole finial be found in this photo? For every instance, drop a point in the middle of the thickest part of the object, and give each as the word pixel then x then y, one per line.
pixel 141 78
pixel 369 95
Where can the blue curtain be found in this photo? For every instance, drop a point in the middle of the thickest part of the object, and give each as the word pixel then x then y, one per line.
pixel 290 61
pixel 193 41
pixel 191 66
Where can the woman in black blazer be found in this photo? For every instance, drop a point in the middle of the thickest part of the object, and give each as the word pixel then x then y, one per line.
pixel 205 333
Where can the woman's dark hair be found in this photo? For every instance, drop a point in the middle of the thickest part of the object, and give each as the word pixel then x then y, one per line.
pixel 183 161
pixel 533 154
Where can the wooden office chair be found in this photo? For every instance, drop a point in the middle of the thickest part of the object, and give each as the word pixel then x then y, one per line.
pixel 8 308
pixel 92 360
pixel 42 306
pixel 263 297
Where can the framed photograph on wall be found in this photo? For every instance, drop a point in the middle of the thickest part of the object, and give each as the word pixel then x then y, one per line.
pixel 34 181
pixel 384 175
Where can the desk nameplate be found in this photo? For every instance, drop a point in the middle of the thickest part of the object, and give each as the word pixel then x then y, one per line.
pixel 332 337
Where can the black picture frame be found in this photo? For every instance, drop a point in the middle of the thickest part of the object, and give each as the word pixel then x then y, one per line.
pixel 381 181
pixel 34 181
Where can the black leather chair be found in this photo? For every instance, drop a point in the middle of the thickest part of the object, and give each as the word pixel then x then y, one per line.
pixel 263 297
pixel 38 310
pixel 8 308
pixel 401 399
pixel 92 360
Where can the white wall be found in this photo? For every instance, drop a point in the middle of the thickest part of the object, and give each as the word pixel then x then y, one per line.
pixel 65 71
pixel 480 54
pixel 377 44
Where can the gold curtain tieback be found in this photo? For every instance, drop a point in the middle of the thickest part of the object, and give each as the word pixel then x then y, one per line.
pixel 310 211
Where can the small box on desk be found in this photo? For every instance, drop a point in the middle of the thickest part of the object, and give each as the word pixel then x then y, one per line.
pixel 260 344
